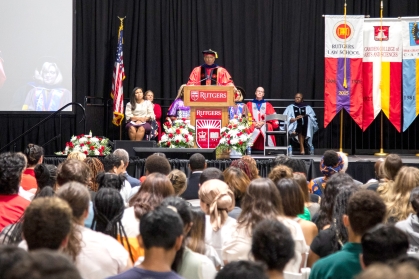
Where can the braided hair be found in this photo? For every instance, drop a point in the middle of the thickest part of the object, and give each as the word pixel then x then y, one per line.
pixel 108 211
pixel 95 167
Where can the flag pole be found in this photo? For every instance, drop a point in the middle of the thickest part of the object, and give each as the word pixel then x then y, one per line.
pixel 381 153
pixel 345 84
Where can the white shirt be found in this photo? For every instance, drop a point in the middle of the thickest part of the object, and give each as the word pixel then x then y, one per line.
pixel 126 192
pixel 25 194
pixel 219 238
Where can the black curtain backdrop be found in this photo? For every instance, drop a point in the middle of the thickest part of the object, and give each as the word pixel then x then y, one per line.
pixel 277 44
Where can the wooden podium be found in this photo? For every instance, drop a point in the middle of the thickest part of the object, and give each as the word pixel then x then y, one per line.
pixel 208 102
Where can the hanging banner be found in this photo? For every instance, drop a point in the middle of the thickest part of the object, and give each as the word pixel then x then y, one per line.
pixel 382 70
pixel 343 67
pixel 410 34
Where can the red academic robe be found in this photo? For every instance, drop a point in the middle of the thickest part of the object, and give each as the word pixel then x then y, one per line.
pixel 258 135
pixel 219 76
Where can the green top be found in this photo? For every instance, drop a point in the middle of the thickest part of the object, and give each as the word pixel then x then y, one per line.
pixel 340 265
pixel 306 215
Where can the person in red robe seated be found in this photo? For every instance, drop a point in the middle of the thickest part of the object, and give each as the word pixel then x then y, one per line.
pixel 210 73
pixel 259 108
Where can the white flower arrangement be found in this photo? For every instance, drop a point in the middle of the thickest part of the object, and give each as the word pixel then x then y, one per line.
pixel 177 134
pixel 87 144
pixel 236 135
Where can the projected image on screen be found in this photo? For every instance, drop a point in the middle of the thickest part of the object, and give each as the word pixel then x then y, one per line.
pixel 36 55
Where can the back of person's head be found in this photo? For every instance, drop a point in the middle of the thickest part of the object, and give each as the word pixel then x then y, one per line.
pixel 377 167
pixel 254 171
pixel 302 182
pixel 182 208
pixel 244 166
pixel 47 191
pixel 123 154
pixel 95 167
pixel 261 201
pixel 73 170
pixel 237 180
pixel 33 154
pixel 272 244
pixel 296 165
pixel 280 172
pixel 197 162
pixel 414 200
pixel 211 173
pixel 406 180
pixel 242 270
pixel 365 210
pixel 392 164
pixel 11 168
pixel 47 223
pixel 77 196
pixel 331 163
pixel 383 243
pixel 216 200
pixel 155 163
pixel 45 175
pixel 76 155
pixel 155 188
pixel 110 180
pixel 292 197
pixel 10 255
pixel 161 228
pixel 44 264
pixel 111 162
pixel 178 180
pixel 108 208
pixel 196 236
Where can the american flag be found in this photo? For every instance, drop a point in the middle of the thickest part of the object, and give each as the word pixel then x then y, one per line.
pixel 117 93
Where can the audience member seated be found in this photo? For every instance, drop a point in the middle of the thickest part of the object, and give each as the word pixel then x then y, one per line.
pixel 216 200
pixel 156 124
pixel 98 255
pixel 411 225
pixel 293 204
pixel 279 172
pixel 330 163
pixel 161 237
pixel 390 168
pixel 44 264
pixel 10 256
pixel 156 163
pixel 188 264
pixel 34 155
pixel 123 154
pixel 77 155
pixel 95 167
pixel 331 240
pixel 302 122
pixel 238 182
pixel 365 210
pixel 262 201
pixel 210 173
pixel 197 164
pixel 273 245
pixel 259 109
pixel 382 244
pixel 178 180
pixel 372 184
pixel 177 108
pixel 152 192
pixel 196 238
pixel 139 113
pixel 397 197
pixel 379 271
pixel 244 166
pixel 242 270
pixel 313 207
pixel 345 161
pixel 251 162
pixel 114 164
pixel 12 205
pixel 45 175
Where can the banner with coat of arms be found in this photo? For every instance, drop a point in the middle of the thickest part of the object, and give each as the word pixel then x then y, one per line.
pixel 208 127
pixel 343 66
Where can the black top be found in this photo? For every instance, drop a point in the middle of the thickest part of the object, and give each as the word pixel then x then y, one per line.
pixel 191 192
pixel 322 244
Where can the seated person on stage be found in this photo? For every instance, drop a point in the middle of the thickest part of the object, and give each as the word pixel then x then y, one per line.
pixel 210 73
pixel 240 109
pixel 259 108
pixel 139 113
pixel 302 122
pixel 177 108
pixel 156 124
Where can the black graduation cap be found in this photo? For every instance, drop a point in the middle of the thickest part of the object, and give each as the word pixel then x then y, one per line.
pixel 210 51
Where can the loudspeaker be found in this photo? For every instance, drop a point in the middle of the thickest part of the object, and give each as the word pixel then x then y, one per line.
pixel 175 153
pixel 128 145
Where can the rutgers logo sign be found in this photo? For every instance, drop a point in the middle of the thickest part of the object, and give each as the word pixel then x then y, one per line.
pixel 208 133
pixel 194 95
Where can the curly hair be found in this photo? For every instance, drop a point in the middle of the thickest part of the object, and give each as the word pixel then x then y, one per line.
pixel 77 155
pixel 11 168
pixel 155 163
pixel 252 166
pixel 33 153
pixel 95 167
pixel 279 172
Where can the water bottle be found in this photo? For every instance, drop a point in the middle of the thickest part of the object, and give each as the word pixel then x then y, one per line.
pixel 311 150
pixel 289 150
pixel 249 149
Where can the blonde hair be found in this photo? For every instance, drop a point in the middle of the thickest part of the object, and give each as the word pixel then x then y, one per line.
pixel 279 172
pixel 219 200
pixel 397 201
pixel 178 180
pixel 180 91
pixel 76 155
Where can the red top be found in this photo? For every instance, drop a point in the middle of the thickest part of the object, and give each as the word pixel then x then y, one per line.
pixel 28 180
pixel 157 113
pixel 11 208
